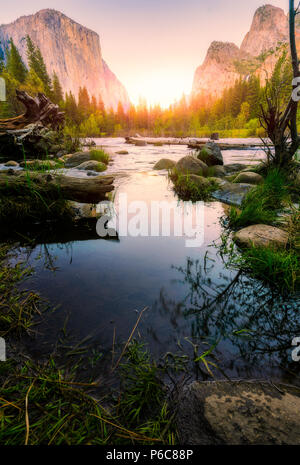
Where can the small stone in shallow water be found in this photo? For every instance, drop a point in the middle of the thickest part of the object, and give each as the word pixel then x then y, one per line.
pixel 12 163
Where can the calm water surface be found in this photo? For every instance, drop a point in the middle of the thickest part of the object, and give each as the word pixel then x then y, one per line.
pixel 100 285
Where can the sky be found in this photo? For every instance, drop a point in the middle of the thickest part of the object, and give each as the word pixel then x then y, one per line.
pixel 153 46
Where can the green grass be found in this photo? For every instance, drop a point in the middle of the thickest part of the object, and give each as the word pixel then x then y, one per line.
pixel 31 201
pixel 100 155
pixel 188 190
pixel 45 404
pixel 44 165
pixel 142 391
pixel 18 308
pixel 280 269
pixel 100 167
pixel 263 202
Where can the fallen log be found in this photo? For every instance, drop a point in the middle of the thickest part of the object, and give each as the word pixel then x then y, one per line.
pixel 39 109
pixel 194 143
pixel 83 190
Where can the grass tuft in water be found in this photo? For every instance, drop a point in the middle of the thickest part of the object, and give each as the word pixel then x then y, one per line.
pixel 281 269
pixel 188 190
pixel 263 202
pixel 100 155
pixel 18 308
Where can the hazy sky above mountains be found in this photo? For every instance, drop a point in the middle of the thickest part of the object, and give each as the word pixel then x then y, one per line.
pixel 153 46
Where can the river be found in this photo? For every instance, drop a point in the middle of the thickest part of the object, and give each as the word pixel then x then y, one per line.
pixel 100 285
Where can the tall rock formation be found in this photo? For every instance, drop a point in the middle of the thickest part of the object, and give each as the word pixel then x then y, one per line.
pixel 218 71
pixel 269 27
pixel 221 67
pixel 70 50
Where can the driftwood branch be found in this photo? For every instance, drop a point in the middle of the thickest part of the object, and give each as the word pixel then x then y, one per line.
pixel 39 109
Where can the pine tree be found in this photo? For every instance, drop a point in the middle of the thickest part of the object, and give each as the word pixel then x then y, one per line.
pixel 15 65
pixel 84 103
pixel 37 64
pixel 254 96
pixel 101 106
pixel 57 92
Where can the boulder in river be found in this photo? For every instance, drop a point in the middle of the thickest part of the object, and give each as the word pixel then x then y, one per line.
pixel 235 168
pixel 262 235
pixel 199 181
pixel 249 177
pixel 92 165
pixel 164 164
pixel 233 194
pixel 211 154
pixel 217 171
pixel 122 152
pixel 238 413
pixel 191 165
pixel 76 159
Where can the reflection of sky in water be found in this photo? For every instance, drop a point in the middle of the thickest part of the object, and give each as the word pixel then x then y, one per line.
pixel 103 283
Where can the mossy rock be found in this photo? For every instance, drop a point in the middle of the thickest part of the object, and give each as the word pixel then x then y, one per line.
pixel 77 159
pixel 92 165
pixel 217 171
pixel 164 164
pixel 249 177
pixel 211 154
pixel 199 181
pixel 191 165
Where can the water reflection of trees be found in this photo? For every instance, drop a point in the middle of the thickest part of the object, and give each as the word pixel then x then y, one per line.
pixel 257 323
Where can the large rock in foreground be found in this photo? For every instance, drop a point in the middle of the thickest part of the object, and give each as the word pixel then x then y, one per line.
pixel 262 235
pixel 191 165
pixel 238 413
pixel 211 154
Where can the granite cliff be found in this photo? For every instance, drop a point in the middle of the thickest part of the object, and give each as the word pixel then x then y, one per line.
pixel 69 49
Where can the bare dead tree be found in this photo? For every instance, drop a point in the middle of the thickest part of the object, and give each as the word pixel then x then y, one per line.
pixel 281 125
pixel 39 109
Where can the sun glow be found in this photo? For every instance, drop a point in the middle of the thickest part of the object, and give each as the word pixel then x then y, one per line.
pixel 159 89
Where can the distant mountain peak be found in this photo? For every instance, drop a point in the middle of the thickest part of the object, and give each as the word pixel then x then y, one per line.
pixel 219 71
pixel 269 26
